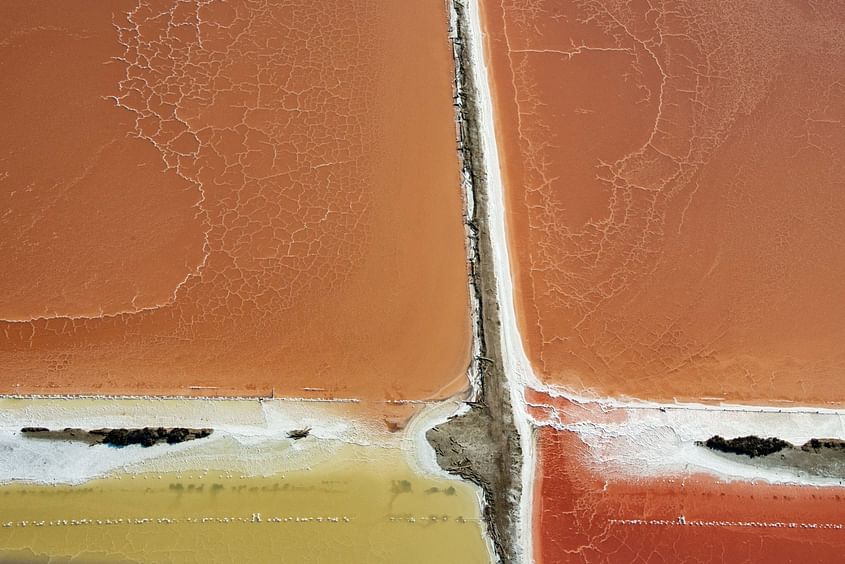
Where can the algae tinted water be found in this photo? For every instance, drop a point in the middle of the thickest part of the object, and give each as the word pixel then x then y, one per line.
pixel 370 508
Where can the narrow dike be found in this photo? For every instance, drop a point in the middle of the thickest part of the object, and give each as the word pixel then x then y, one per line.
pixel 482 443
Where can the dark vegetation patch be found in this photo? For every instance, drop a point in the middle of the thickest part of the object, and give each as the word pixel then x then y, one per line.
pixel 750 445
pixel 815 445
pixel 146 436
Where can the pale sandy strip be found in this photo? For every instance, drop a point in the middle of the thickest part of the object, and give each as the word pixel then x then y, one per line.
pixel 247 436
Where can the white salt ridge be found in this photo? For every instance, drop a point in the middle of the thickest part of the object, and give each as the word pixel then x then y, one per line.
pixel 248 437
pixel 655 442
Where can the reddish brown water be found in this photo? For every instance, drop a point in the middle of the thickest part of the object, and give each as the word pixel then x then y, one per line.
pixel 230 197
pixel 583 515
pixel 675 180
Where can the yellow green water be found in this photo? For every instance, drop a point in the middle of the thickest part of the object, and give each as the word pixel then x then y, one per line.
pixel 367 507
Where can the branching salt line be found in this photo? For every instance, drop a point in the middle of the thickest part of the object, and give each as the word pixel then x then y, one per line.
pixel 683 522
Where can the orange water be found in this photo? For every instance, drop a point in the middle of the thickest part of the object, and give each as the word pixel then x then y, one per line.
pixel 240 197
pixel 674 176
